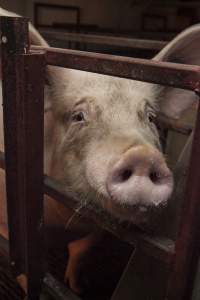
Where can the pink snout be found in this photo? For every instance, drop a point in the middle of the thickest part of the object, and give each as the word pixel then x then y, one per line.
pixel 140 178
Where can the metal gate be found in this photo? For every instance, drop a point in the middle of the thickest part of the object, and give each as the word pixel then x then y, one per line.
pixel 23 70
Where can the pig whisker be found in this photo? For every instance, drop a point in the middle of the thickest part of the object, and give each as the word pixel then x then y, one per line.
pixel 76 213
pixel 84 202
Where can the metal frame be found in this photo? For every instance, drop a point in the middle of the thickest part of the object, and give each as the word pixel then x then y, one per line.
pixel 23 179
pixel 23 72
pixel 105 40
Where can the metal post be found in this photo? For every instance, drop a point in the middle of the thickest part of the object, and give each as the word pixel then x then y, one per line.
pixel 188 240
pixel 23 107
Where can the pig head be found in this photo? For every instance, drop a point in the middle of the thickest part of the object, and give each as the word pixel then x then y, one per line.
pixel 105 145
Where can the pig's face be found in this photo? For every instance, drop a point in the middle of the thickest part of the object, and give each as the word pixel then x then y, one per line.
pixel 106 144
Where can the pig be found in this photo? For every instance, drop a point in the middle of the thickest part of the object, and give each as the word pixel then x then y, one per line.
pixel 102 142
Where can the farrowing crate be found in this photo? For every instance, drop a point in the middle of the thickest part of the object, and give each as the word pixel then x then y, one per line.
pixel 23 70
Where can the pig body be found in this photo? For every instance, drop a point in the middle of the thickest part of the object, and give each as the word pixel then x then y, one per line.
pixel 101 140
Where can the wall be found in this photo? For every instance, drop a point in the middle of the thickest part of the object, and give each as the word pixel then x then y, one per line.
pixel 17 6
pixel 92 12
pixel 118 14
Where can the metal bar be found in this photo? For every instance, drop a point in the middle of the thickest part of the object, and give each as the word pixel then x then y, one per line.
pixel 2 160
pixel 160 248
pixel 4 246
pixel 12 43
pixel 104 40
pixel 34 110
pixel 188 240
pixel 165 73
pixel 23 84
pixel 58 290
pixel 175 125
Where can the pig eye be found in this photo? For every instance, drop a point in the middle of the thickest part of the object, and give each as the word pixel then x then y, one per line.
pixel 78 116
pixel 151 117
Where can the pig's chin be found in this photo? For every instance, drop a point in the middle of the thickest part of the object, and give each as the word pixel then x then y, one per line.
pixel 132 213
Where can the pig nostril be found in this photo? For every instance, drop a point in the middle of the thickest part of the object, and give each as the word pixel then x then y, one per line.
pixel 125 175
pixel 154 177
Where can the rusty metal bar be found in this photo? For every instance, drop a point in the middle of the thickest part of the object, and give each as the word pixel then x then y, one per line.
pixel 23 84
pixel 105 40
pixel 2 160
pixel 57 290
pixel 188 241
pixel 12 42
pixel 160 248
pixel 4 247
pixel 165 73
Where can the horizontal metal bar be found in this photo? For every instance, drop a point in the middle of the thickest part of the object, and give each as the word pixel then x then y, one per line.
pixel 105 40
pixel 4 247
pixel 159 248
pixel 164 73
pixel 57 289
pixel 175 125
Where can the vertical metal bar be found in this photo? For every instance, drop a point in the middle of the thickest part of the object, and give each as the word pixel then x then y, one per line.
pixel 23 84
pixel 14 40
pixel 34 66
pixel 188 240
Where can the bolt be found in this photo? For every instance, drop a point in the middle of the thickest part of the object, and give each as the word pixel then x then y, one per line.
pixel 4 39
pixel 197 91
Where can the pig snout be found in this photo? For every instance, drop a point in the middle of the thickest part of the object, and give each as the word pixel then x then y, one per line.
pixel 140 178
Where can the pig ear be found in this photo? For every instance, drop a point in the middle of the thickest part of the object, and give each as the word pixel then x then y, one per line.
pixel 36 38
pixel 183 49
